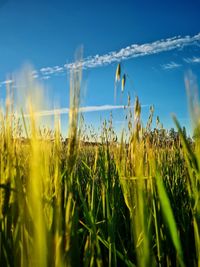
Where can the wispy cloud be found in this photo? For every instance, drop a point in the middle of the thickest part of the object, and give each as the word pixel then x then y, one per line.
pixel 132 51
pixel 192 60
pixel 137 50
pixel 171 65
pixel 6 82
pixel 35 74
pixel 45 77
pixel 51 70
pixel 174 65
pixel 81 109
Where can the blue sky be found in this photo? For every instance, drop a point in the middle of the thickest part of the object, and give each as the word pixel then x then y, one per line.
pixel 148 38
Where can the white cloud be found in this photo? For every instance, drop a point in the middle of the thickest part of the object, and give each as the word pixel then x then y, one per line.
pixel 136 50
pixel 171 65
pixel 51 70
pixel 192 60
pixel 81 109
pixel 6 82
pixel 35 74
pixel 132 51
pixel 45 77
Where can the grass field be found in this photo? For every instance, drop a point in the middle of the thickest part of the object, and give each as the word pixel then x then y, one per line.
pixel 128 202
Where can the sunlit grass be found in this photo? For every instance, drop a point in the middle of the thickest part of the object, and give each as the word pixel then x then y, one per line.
pixel 127 202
